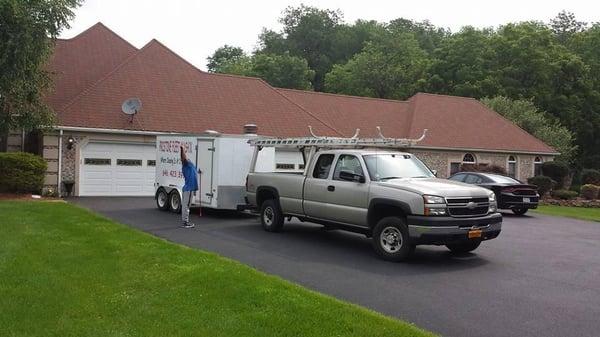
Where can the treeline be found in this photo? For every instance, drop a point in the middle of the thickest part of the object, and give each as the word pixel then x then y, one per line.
pixel 544 76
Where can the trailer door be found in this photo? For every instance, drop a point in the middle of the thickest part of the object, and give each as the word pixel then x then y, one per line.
pixel 204 162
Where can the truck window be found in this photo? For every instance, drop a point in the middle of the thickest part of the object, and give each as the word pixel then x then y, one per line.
pixel 323 166
pixel 347 163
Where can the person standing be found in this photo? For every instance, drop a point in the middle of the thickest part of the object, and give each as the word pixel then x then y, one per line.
pixel 189 188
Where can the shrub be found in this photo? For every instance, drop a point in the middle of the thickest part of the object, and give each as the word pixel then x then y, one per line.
pixel 590 191
pixel 543 183
pixel 21 172
pixel 590 176
pixel 557 171
pixel 483 168
pixel 564 194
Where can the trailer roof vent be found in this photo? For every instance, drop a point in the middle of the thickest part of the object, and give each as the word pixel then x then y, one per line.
pixel 250 129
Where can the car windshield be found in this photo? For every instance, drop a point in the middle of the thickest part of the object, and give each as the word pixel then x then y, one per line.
pixel 502 179
pixel 393 166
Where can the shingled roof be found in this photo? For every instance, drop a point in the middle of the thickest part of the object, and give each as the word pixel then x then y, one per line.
pixel 452 122
pixel 97 70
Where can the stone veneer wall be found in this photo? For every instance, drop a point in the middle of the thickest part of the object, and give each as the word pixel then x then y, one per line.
pixel 440 161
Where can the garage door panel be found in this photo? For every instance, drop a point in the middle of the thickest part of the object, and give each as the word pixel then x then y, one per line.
pixel 114 169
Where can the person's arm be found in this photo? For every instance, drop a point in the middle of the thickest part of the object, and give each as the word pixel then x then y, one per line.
pixel 183 156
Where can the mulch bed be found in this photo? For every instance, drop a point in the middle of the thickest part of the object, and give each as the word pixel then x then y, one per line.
pixel 17 196
pixel 578 202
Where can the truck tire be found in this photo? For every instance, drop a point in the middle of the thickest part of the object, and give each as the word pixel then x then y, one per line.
pixel 271 216
pixel 175 202
pixel 391 240
pixel 162 199
pixel 519 211
pixel 464 247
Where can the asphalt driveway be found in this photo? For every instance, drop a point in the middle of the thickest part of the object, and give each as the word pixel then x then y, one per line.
pixel 541 277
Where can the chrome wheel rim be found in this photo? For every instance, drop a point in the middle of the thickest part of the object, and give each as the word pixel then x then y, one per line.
pixel 268 216
pixel 391 239
pixel 175 201
pixel 162 199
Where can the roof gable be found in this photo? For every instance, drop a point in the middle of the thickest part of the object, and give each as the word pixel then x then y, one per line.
pixel 79 62
pixel 178 97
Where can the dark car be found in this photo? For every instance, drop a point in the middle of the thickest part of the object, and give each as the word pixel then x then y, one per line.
pixel 510 193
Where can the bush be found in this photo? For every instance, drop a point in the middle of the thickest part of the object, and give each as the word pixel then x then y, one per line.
pixel 483 168
pixel 543 183
pixel 590 176
pixel 564 194
pixel 590 191
pixel 557 171
pixel 21 172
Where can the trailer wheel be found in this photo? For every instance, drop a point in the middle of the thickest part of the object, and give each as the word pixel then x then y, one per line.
pixel 175 202
pixel 162 199
pixel 271 216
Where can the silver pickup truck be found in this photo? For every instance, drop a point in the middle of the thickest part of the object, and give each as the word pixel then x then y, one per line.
pixel 387 195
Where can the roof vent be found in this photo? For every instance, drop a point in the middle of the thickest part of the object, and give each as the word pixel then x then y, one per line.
pixel 250 129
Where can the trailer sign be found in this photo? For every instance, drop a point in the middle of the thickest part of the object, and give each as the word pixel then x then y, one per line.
pixel 168 161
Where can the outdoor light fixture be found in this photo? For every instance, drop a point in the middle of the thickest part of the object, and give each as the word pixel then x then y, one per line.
pixel 70 142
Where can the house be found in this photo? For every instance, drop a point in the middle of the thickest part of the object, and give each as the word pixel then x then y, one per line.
pixel 104 152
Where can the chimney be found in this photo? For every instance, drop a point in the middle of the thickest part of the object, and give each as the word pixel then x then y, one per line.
pixel 250 129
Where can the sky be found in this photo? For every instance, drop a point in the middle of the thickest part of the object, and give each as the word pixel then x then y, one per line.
pixel 194 29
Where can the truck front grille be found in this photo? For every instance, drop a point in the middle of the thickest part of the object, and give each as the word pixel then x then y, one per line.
pixel 468 207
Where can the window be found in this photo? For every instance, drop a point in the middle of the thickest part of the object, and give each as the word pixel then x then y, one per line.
pixel 300 166
pixel 468 158
pixel 96 161
pixel 473 179
pixel 458 177
pixel 347 163
pixel 537 166
pixel 512 166
pixel 151 163
pixel 454 167
pixel 323 166
pixel 393 166
pixel 282 166
pixel 129 162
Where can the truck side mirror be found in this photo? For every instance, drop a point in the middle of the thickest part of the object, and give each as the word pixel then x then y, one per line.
pixel 350 176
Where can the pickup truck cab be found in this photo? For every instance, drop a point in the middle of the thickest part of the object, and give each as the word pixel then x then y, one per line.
pixel 389 196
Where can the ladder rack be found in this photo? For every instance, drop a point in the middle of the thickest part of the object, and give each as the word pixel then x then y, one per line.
pixel 336 142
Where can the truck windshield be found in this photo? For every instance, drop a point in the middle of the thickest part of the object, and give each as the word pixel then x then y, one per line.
pixel 393 166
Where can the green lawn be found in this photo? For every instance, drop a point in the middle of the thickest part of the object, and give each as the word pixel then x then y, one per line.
pixel 65 271
pixel 582 213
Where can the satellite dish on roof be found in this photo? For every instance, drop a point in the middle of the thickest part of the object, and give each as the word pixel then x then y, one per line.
pixel 131 106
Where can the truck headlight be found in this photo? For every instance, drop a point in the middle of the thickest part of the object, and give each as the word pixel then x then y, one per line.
pixel 433 199
pixel 493 204
pixel 434 205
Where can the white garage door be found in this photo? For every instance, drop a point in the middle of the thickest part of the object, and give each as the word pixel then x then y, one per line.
pixel 113 169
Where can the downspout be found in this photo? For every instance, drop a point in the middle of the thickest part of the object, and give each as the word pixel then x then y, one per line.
pixel 59 174
pixel 23 141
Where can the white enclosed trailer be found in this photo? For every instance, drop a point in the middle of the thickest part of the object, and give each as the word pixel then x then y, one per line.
pixel 224 161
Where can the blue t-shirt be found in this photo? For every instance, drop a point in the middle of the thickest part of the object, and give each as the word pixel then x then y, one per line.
pixel 190 175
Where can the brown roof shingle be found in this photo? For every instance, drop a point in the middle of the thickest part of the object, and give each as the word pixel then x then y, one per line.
pixel 97 70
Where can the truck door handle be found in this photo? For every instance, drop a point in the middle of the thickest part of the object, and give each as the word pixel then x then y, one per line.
pixel 331 188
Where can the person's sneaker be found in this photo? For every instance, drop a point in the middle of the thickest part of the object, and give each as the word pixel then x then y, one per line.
pixel 188 225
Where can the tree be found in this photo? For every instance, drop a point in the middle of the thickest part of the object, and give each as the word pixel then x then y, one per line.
pixel 282 71
pixel 429 36
pixel 463 65
pixel 28 29
pixel 526 115
pixel 564 26
pixel 391 69
pixel 223 56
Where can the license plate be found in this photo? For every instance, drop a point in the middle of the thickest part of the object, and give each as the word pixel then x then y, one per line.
pixel 526 200
pixel 474 233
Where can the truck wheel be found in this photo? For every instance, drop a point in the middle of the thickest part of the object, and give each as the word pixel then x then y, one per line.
pixel 271 216
pixel 162 199
pixel 464 247
pixel 519 211
pixel 175 202
pixel 390 239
